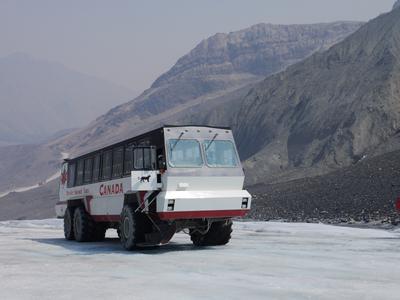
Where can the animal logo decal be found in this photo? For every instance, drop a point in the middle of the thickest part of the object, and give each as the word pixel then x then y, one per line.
pixel 144 178
pixel 64 177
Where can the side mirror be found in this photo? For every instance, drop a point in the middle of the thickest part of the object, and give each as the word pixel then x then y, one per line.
pixel 161 162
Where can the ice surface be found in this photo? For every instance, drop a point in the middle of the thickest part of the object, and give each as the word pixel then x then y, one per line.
pixel 263 261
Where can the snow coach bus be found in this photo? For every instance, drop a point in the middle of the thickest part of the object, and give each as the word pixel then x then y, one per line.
pixel 175 178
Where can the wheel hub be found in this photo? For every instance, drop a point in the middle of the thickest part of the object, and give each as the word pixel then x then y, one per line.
pixel 127 227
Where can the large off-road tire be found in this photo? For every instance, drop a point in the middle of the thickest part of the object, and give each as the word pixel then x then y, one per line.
pixel 218 234
pixel 84 226
pixel 69 224
pixel 128 228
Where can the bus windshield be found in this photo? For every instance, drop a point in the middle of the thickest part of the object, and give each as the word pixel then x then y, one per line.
pixel 220 154
pixel 184 153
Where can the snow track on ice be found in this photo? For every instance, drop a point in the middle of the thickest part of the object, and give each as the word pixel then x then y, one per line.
pixel 263 261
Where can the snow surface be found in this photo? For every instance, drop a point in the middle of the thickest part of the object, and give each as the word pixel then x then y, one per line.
pixel 263 261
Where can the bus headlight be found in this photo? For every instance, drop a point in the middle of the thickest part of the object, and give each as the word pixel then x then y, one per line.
pixel 171 204
pixel 245 202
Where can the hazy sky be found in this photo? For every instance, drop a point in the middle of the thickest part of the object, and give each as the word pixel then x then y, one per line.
pixel 132 42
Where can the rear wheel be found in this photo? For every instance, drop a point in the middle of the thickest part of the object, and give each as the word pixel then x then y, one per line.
pixel 128 228
pixel 84 227
pixel 68 224
pixel 218 234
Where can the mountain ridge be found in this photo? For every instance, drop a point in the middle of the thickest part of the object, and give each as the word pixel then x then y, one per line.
pixel 179 86
pixel 325 112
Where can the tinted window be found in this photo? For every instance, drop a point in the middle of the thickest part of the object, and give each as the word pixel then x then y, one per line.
pixel 128 160
pixel 220 153
pixel 87 177
pixel 79 172
pixel 146 159
pixel 117 162
pixel 138 158
pixel 106 161
pixel 71 174
pixel 96 168
pixel 184 153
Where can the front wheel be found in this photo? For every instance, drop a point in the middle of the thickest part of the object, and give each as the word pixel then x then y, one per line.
pixel 218 234
pixel 128 228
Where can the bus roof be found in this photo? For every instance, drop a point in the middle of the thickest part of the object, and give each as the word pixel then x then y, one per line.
pixel 140 136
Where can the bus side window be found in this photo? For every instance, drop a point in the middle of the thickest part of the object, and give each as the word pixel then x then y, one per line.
pixel 128 160
pixel 87 176
pixel 138 158
pixel 106 170
pixel 96 168
pixel 79 172
pixel 71 175
pixel 117 162
pixel 147 159
pixel 153 158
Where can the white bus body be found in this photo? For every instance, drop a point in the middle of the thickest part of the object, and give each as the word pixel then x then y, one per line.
pixel 170 179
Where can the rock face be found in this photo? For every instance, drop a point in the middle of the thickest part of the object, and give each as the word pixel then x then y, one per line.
pixel 217 66
pixel 327 112
pixel 397 4
pixel 39 98
pixel 261 50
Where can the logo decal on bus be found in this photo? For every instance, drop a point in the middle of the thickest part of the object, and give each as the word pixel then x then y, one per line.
pixel 144 178
pixel 64 177
pixel 111 189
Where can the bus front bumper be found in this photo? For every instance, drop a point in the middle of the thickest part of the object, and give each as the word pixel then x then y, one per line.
pixel 173 205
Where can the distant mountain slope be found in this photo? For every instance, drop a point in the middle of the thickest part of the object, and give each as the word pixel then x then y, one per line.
pixel 326 112
pixel 39 98
pixel 217 66
pixel 33 204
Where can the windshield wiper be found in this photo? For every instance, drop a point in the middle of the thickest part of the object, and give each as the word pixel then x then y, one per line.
pixel 208 146
pixel 180 136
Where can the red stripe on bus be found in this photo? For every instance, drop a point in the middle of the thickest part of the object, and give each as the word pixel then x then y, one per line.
pixel 106 218
pixel 201 214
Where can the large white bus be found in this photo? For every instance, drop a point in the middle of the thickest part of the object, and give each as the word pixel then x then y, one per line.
pixel 151 186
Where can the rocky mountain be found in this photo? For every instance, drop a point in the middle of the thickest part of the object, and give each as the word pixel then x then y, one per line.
pixel 40 98
pixel 329 111
pixel 217 66
pixel 397 4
